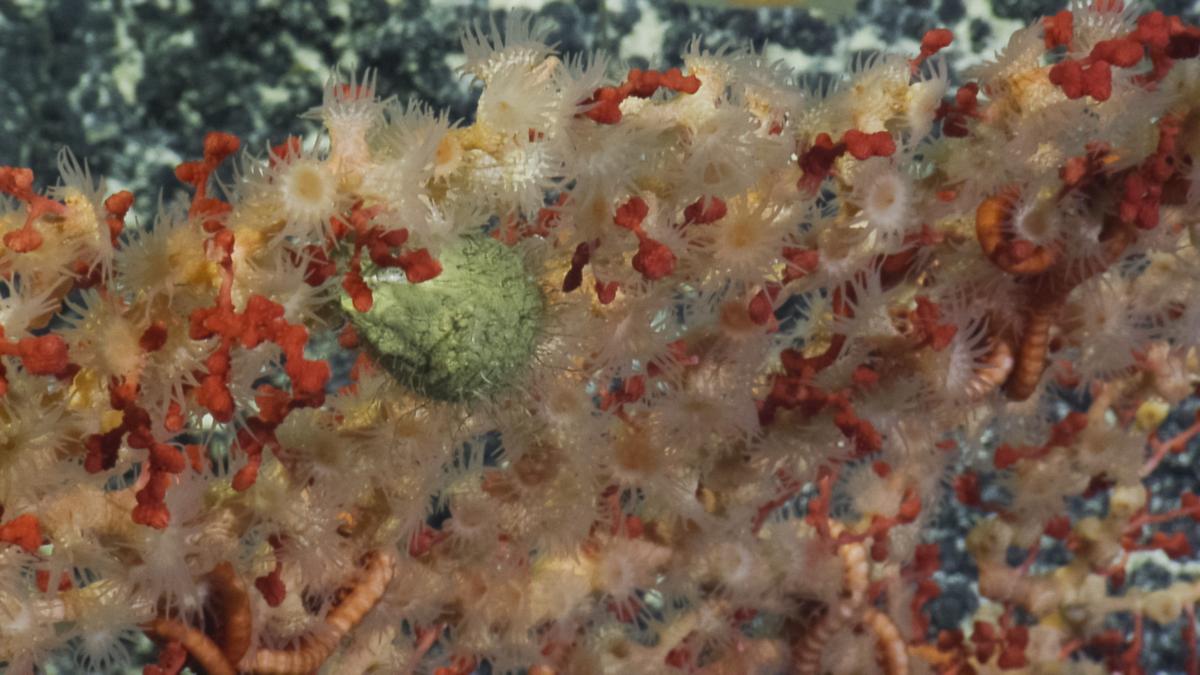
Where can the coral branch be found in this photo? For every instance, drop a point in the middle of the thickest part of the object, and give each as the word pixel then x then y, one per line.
pixel 808 649
pixel 375 577
pixel 197 644
pixel 233 603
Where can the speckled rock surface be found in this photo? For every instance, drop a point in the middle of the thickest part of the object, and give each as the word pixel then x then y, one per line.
pixel 132 86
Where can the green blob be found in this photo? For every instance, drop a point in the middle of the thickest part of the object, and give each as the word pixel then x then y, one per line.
pixel 462 334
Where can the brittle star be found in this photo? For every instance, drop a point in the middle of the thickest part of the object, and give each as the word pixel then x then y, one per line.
pixel 1049 281
pixel 227 655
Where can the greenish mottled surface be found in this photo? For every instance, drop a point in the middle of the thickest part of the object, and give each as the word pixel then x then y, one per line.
pixel 463 334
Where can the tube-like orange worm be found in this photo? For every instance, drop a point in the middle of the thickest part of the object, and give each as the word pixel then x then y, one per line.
pixel 806 653
pixel 380 567
pixel 1051 294
pixel 990 219
pixel 304 659
pixel 1031 355
pixel 893 652
pixel 376 576
pixel 856 570
pixel 234 603
pixel 198 645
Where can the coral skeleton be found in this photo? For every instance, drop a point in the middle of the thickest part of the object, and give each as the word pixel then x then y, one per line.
pixel 636 372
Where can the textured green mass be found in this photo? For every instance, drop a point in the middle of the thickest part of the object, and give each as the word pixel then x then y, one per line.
pixel 458 336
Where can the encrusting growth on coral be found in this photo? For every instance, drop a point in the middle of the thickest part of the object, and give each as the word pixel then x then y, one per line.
pixel 638 372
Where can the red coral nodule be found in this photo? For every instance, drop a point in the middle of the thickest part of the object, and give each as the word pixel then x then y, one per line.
pixel 43 355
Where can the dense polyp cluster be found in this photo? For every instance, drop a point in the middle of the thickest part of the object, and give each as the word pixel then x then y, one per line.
pixel 766 335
